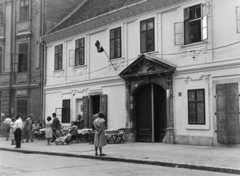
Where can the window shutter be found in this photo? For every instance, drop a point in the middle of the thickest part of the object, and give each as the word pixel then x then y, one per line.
pixel 103 107
pixel 71 58
pixel 205 9
pixel 205 28
pixel 85 111
pixel 227 106
pixel 178 33
pixel 238 19
pixel 186 14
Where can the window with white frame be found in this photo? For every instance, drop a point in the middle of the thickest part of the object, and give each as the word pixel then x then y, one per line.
pixel 147 35
pixel 196 107
pixel 58 57
pixel 24 9
pixel 66 111
pixel 195 26
pixel 115 43
pixel 79 52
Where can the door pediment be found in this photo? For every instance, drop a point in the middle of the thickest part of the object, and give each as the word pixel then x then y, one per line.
pixel 147 64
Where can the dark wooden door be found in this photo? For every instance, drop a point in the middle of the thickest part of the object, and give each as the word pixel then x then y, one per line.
pixel 144 114
pixel 227 106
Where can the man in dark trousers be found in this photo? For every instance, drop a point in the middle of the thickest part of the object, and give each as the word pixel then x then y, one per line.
pixel 55 126
pixel 28 128
pixel 18 125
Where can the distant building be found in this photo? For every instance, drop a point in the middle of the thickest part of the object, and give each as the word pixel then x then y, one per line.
pixel 22 23
pixel 173 74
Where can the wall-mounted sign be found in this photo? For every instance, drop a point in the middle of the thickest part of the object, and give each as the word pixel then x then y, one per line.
pixel 22 92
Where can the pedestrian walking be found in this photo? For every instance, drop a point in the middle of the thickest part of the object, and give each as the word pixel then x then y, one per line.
pixel 55 125
pixel 99 139
pixel 28 128
pixel 48 131
pixel 18 125
pixel 11 134
pixel 6 123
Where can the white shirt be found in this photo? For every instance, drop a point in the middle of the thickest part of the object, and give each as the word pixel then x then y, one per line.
pixel 7 121
pixel 18 124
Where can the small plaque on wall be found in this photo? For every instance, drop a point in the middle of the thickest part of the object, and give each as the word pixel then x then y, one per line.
pixel 22 92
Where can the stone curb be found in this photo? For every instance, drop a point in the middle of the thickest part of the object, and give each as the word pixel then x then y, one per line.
pixel 136 161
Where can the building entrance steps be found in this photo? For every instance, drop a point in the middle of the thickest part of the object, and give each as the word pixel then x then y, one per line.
pixel 219 159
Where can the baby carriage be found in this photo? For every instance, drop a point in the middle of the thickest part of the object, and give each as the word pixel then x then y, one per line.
pixel 60 139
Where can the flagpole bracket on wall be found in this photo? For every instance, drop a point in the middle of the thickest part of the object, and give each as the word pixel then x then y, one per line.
pixel 100 50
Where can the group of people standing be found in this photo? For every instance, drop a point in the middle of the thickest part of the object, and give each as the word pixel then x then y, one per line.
pixel 15 125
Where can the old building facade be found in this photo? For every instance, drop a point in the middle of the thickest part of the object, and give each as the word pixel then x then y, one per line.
pixel 20 77
pixel 22 23
pixel 168 71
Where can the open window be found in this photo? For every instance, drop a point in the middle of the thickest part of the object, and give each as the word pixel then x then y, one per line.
pixel 238 19
pixel 194 28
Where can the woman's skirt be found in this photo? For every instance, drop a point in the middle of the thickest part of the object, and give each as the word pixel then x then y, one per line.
pixel 48 133
pixel 11 134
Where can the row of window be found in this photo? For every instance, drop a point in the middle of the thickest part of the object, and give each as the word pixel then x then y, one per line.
pixel 147 44
pixel 195 30
pixel 196 108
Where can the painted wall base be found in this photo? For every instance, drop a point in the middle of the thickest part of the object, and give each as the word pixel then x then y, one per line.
pixel 194 140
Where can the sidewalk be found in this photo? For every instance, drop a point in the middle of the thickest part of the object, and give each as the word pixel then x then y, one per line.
pixel 219 159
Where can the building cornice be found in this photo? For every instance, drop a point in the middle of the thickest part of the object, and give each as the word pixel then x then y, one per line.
pixel 113 80
pixel 234 63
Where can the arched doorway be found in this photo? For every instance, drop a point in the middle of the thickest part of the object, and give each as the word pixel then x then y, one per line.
pixel 150 100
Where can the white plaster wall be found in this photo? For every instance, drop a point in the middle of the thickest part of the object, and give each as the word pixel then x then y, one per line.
pixel 182 86
pixel 224 29
pixel 116 106
pixel 53 101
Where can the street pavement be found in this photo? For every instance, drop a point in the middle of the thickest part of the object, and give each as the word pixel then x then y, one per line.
pixel 20 164
pixel 219 159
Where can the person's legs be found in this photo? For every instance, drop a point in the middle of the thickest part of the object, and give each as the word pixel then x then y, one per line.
pixel 53 138
pixel 96 151
pixel 101 154
pixel 15 137
pixel 27 135
pixel 20 134
pixel 18 138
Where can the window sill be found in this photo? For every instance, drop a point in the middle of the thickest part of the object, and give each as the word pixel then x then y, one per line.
pixel 194 44
pixel 116 60
pixel 79 66
pixel 150 52
pixel 197 127
pixel 60 70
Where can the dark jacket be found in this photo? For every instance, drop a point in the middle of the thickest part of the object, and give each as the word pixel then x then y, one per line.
pixel 56 124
